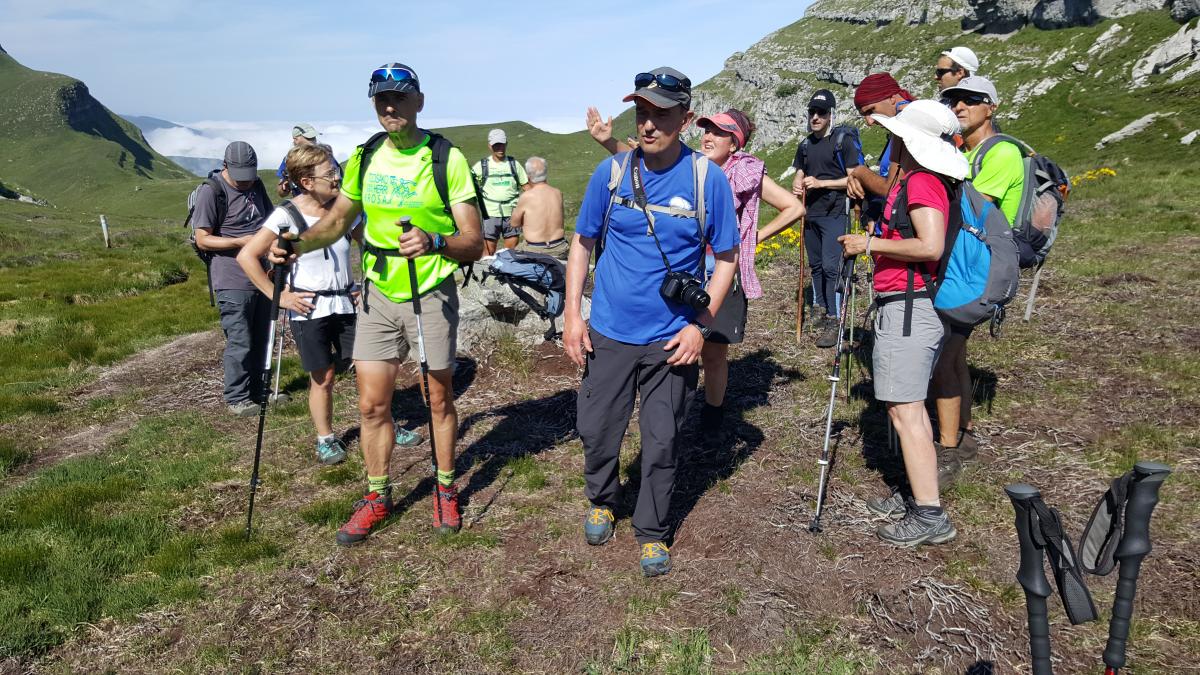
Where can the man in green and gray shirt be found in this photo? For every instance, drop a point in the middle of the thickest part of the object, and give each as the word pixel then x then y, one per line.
pixel 502 180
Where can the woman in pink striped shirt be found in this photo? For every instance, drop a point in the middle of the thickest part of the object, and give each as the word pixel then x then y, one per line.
pixel 724 137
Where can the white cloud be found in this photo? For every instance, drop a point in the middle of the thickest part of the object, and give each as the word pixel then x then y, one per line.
pixel 272 139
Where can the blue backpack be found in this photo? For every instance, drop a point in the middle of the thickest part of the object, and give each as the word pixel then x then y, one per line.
pixel 535 271
pixel 978 272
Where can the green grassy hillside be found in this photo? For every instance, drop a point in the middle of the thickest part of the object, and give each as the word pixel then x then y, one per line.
pixel 63 146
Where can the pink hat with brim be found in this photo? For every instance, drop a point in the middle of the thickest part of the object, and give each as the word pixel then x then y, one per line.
pixel 725 122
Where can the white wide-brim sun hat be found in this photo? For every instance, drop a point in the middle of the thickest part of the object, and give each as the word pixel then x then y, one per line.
pixel 927 129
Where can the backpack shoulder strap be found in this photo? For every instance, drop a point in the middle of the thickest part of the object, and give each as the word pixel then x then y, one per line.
pixel 440 147
pixel 261 190
pixel 991 142
pixel 294 216
pixel 483 170
pixel 618 167
pixel 222 201
pixel 368 150
pixel 512 167
pixel 700 170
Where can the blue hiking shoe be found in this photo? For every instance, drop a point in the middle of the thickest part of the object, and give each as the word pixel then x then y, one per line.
pixel 331 451
pixel 406 438
pixel 656 559
pixel 598 525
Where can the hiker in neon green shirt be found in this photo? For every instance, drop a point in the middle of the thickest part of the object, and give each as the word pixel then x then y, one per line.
pixel 502 180
pixel 400 180
pixel 1001 178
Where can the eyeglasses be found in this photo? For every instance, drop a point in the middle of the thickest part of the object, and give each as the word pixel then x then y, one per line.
pixel 394 74
pixel 665 81
pixel 970 99
pixel 817 112
pixel 942 72
pixel 334 178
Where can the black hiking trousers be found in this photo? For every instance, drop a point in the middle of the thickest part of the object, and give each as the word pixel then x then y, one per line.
pixel 616 373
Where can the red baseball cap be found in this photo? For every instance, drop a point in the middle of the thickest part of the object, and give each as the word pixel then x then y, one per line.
pixel 725 122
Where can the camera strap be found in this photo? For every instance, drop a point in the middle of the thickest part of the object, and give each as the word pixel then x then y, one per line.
pixel 639 196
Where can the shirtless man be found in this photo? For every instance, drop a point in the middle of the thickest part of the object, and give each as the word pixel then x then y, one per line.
pixel 539 214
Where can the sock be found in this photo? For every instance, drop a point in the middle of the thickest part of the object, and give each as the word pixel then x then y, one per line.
pixel 378 484
pixel 930 510
pixel 445 478
pixel 327 439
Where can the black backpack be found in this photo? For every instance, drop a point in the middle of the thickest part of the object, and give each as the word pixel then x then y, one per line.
pixel 483 168
pixel 840 134
pixel 222 209
pixel 440 146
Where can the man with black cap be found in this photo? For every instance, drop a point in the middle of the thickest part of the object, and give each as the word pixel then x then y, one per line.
pixel 653 210
pixel 822 160
pixel 395 179
pixel 244 311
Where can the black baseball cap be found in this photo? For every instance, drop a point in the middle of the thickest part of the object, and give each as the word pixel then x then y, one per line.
pixel 393 77
pixel 241 161
pixel 822 100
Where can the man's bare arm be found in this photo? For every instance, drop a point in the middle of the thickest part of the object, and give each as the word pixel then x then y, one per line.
pixel 331 227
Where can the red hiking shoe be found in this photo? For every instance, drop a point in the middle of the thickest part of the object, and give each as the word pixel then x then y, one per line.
pixel 371 510
pixel 446 517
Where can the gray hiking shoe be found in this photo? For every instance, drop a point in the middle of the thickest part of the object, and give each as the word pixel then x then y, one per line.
pixel 244 408
pixel 893 505
pixel 919 526
pixel 829 333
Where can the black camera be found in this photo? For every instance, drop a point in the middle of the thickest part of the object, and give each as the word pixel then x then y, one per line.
pixel 685 289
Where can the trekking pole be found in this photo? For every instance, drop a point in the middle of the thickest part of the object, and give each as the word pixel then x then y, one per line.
pixel 413 287
pixel 834 378
pixel 1032 576
pixel 275 397
pixel 800 289
pixel 1135 545
pixel 276 292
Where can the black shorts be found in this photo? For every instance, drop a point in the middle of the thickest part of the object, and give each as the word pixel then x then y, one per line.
pixel 327 341
pixel 730 325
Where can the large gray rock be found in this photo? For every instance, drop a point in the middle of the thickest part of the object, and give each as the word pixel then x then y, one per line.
pixel 1181 47
pixel 489 308
pixel 1006 16
pixel 911 12
pixel 1185 10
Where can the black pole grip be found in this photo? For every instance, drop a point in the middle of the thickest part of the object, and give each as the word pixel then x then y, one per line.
pixel 1148 477
pixel 1032 576
pixel 413 287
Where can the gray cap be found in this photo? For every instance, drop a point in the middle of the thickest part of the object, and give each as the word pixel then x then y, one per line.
pixel 974 84
pixel 241 161
pixel 305 130
pixel 660 96
pixel 497 136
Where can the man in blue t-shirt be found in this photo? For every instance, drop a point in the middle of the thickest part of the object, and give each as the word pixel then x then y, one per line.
pixel 657 221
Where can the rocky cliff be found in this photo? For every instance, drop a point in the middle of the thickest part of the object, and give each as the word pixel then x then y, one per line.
pixel 1037 52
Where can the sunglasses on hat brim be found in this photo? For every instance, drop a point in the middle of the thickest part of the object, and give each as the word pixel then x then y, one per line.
pixel 663 80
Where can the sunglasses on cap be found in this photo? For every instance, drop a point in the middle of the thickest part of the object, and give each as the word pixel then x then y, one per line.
pixel 942 72
pixel 968 98
pixel 665 81
pixel 394 74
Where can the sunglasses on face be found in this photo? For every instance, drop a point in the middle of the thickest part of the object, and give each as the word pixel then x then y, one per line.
pixel 969 99
pixel 817 112
pixel 394 74
pixel 942 72
pixel 665 81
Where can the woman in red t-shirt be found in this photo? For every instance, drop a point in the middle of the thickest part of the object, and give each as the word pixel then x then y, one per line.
pixel 908 332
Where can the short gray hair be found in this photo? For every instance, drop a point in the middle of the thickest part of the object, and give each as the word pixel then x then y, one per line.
pixel 536 168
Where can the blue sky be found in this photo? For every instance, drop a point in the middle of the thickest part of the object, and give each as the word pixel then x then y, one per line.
pixel 252 64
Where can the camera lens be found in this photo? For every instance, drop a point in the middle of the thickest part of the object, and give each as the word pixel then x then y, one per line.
pixel 695 297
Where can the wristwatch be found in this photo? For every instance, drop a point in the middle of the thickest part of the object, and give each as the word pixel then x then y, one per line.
pixel 705 331
pixel 437 242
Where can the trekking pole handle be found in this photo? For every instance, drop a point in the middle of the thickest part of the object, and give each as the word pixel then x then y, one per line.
pixel 1148 477
pixel 288 245
pixel 1032 576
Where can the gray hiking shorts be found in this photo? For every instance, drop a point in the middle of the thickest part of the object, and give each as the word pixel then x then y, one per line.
pixel 902 365
pixel 499 228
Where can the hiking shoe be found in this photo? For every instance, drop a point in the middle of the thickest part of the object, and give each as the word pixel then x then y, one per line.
pixel 711 419
pixel 889 506
pixel 949 466
pixel 656 559
pixel 968 446
pixel 245 408
pixel 829 333
pixel 406 438
pixel 921 525
pixel 446 517
pixel 331 451
pixel 598 525
pixel 369 511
